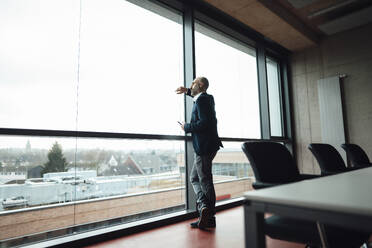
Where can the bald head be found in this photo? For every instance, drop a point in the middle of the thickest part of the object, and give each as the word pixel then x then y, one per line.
pixel 200 84
pixel 204 83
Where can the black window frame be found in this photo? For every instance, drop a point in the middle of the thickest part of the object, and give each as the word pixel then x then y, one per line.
pixel 218 20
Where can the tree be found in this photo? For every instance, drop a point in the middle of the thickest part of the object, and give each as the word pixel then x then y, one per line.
pixel 56 160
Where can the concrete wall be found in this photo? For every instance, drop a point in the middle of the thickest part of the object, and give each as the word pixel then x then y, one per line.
pixel 348 53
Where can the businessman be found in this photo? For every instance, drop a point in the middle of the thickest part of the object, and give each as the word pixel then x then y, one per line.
pixel 206 143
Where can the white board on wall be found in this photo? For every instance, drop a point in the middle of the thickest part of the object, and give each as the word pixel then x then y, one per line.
pixel 331 116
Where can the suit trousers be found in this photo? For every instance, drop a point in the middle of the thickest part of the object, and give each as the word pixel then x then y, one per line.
pixel 201 179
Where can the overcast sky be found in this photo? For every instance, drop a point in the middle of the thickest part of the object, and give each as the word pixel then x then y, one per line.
pixel 123 79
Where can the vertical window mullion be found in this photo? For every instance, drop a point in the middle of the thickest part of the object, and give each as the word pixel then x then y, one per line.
pixel 263 93
pixel 189 74
pixel 281 97
pixel 287 106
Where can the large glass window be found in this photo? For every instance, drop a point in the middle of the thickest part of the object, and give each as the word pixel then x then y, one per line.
pixel 38 62
pixel 94 65
pixel 273 85
pixel 232 173
pixel 231 69
pixel 98 78
pixel 131 61
pixel 230 163
pixel 119 177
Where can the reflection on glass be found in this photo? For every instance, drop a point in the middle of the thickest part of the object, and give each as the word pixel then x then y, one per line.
pixel 38 61
pixel 131 62
pixel 231 69
pixel 274 97
pixel 232 173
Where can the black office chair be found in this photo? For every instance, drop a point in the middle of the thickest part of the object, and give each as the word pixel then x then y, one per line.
pixel 306 232
pixel 329 160
pixel 273 165
pixel 357 155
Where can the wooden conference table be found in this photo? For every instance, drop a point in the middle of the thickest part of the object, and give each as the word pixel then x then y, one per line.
pixel 341 200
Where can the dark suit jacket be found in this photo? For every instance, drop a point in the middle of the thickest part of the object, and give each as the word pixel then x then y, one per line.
pixel 203 125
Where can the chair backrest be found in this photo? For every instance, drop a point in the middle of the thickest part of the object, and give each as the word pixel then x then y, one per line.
pixel 356 155
pixel 328 158
pixel 271 162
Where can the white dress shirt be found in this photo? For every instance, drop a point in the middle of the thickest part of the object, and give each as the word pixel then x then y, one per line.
pixel 196 97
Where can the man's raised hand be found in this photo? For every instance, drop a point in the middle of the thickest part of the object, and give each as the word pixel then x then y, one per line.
pixel 181 90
